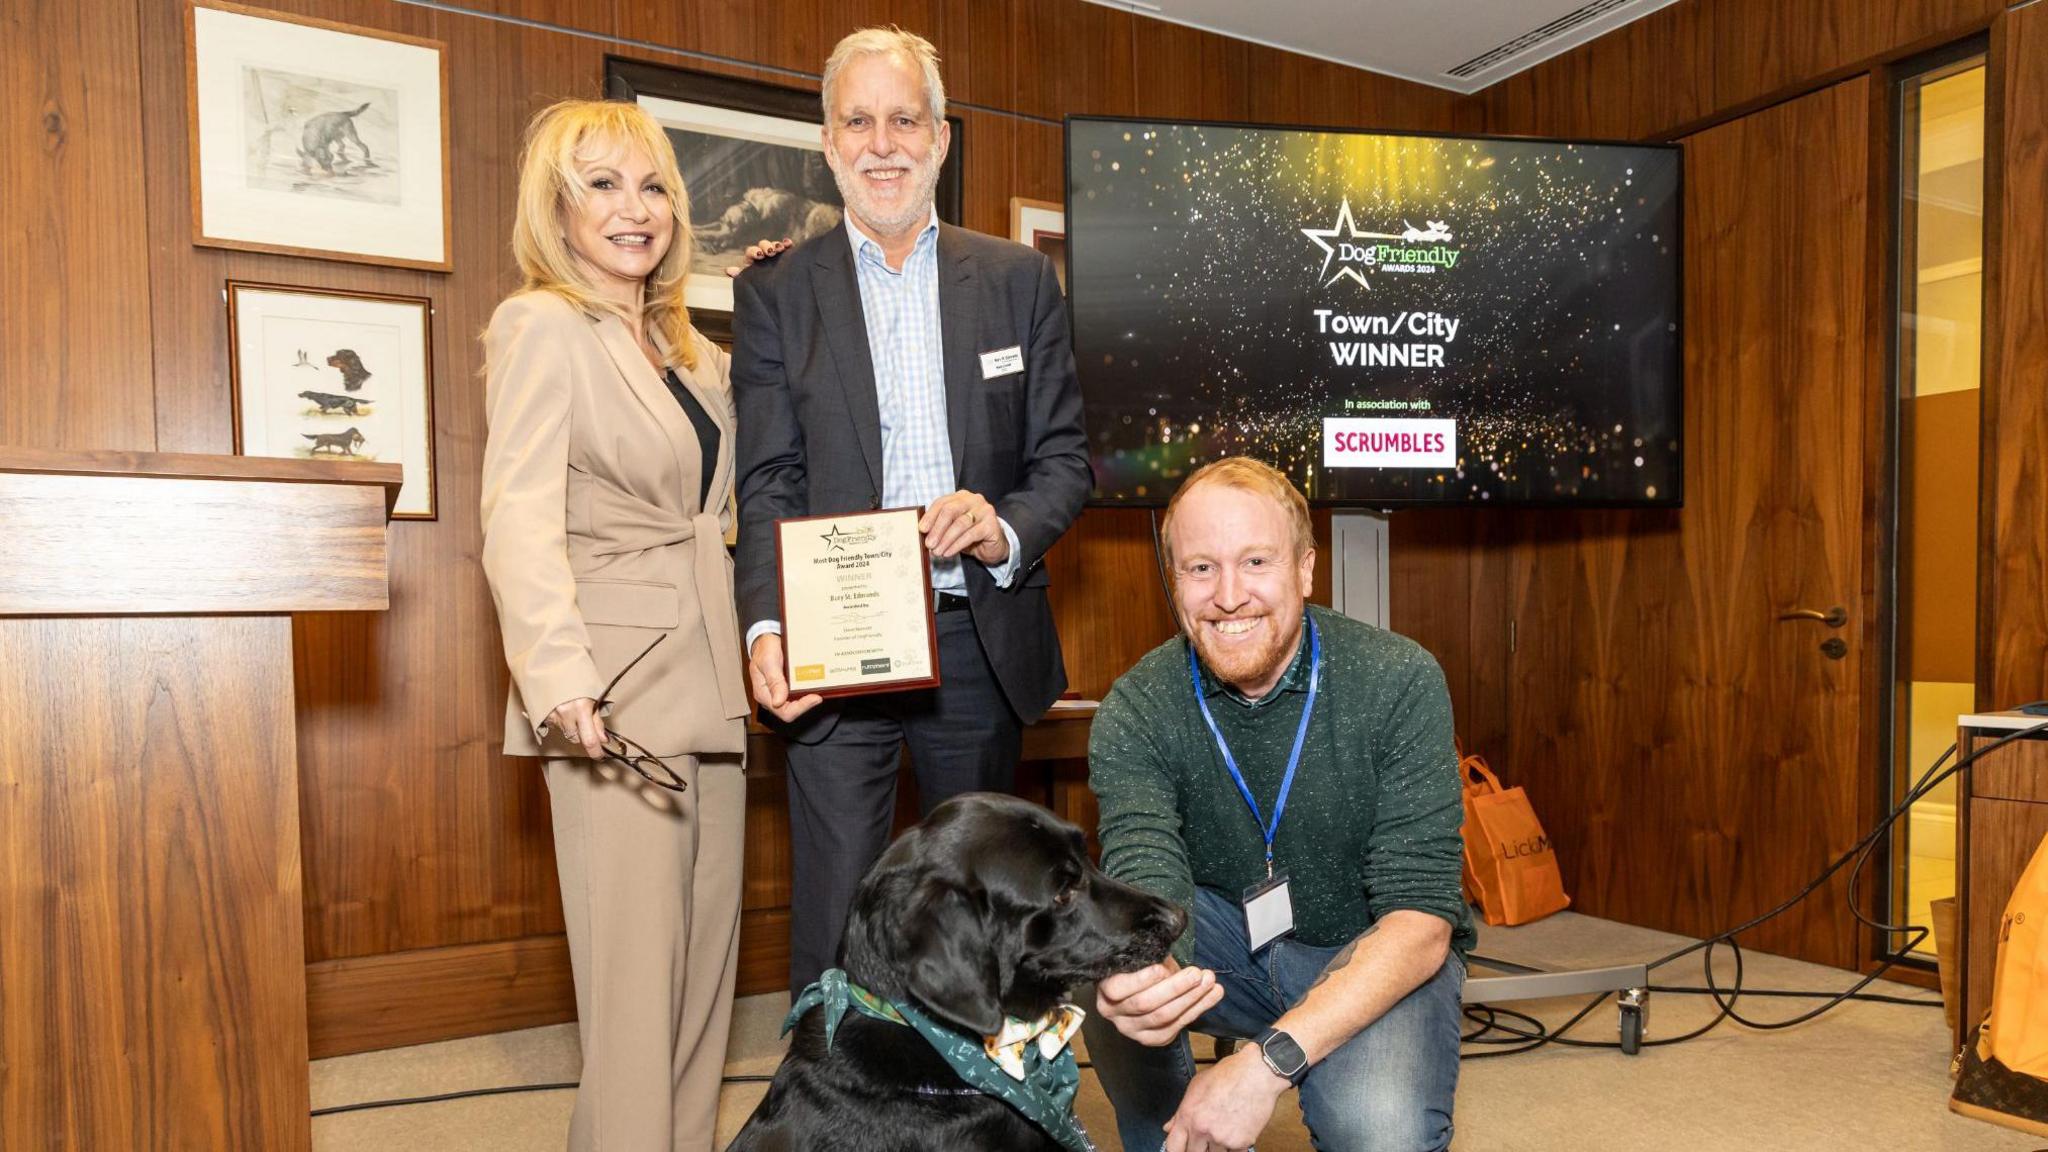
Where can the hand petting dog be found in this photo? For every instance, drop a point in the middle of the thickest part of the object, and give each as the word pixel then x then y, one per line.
pixel 1155 1005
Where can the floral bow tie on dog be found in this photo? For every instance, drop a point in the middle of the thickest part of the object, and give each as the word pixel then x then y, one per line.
pixel 1050 1032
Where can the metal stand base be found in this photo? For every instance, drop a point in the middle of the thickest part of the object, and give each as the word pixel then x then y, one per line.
pixel 1630 983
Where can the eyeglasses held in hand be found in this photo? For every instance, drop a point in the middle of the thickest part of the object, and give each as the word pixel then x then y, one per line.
pixel 622 749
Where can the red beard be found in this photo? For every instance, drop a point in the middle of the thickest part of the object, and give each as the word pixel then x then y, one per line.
pixel 1240 664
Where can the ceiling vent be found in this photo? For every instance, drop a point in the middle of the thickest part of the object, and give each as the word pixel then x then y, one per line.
pixel 1535 38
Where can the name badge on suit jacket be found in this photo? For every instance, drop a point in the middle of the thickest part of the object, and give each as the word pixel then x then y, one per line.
pixel 1004 362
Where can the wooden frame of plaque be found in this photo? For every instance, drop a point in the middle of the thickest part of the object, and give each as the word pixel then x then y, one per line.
pixel 819 678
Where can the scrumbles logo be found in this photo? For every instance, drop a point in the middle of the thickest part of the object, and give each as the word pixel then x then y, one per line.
pixel 1354 253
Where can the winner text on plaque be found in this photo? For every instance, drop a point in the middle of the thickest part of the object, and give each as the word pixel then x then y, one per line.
pixel 856 603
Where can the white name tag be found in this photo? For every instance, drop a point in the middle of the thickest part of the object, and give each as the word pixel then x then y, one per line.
pixel 1268 912
pixel 1003 363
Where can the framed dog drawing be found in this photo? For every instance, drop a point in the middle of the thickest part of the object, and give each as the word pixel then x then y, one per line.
pixel 311 138
pixel 1042 224
pixel 319 374
pixel 754 165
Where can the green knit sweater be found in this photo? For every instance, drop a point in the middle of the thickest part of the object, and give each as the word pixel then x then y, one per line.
pixel 1370 826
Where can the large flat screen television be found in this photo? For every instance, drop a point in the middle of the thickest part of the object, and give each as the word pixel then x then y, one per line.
pixel 1391 319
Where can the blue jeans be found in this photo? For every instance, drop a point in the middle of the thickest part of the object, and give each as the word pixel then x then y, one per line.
pixel 1388 1089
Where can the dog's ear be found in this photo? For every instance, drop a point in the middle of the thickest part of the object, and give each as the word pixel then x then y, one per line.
pixel 920 933
pixel 950 962
pixel 915 935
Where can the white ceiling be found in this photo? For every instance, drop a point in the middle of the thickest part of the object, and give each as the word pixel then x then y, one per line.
pixel 1419 40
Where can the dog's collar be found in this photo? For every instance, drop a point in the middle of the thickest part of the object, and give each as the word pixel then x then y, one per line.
pixel 1041 1089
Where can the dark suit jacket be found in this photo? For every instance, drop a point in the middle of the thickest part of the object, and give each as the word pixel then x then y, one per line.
pixel 810 439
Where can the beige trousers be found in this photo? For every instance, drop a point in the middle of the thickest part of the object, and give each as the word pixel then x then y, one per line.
pixel 651 896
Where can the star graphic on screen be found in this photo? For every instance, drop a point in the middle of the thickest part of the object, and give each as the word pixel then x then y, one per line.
pixel 835 540
pixel 1342 229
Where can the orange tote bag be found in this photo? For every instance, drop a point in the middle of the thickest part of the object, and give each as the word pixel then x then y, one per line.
pixel 1510 867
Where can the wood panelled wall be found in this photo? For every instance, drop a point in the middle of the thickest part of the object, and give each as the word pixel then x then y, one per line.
pixel 422 840
pixel 428 858
pixel 1699 61
pixel 1597 757
pixel 2013 564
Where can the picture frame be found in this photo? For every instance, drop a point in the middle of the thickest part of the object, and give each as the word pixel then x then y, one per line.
pixel 754 166
pixel 312 138
pixel 1042 224
pixel 318 373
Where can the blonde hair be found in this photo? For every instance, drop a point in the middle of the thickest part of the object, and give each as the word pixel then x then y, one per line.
pixel 882 42
pixel 558 137
pixel 1246 475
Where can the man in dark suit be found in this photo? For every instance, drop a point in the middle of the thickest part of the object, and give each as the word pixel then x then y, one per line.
pixel 900 362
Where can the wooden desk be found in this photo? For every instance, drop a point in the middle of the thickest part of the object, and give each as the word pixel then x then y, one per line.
pixel 152 971
pixel 2005 818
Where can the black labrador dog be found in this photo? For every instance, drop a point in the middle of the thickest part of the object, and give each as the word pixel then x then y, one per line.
pixel 990 908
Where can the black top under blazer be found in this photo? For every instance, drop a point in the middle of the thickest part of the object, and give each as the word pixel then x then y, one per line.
pixel 810 434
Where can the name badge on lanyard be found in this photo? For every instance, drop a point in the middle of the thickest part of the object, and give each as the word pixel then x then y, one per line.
pixel 1268 910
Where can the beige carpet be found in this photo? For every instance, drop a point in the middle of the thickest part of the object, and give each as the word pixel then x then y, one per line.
pixel 1863 1077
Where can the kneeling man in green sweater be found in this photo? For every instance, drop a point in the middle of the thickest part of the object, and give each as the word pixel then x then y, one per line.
pixel 1287 775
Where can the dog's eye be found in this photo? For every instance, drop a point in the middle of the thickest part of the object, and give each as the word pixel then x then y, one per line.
pixel 1067 895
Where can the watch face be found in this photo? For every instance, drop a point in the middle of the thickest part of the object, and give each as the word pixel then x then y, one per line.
pixel 1284 1054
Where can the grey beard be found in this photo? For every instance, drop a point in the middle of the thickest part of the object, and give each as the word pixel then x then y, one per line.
pixel 927 177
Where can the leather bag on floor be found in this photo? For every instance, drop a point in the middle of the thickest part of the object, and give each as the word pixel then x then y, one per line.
pixel 2003 1076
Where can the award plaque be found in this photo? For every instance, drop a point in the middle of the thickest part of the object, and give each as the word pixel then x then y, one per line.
pixel 856 604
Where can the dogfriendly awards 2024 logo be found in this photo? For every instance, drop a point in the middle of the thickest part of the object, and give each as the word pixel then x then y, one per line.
pixel 1354 253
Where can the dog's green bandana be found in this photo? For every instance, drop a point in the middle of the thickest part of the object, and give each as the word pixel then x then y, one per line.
pixel 1042 1094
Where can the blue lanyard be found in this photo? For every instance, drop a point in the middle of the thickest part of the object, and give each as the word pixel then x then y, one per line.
pixel 1315 675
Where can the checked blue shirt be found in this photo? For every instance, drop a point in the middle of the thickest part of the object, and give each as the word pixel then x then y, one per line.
pixel 902 312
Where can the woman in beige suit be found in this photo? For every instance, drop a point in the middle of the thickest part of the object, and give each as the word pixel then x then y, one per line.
pixel 606 497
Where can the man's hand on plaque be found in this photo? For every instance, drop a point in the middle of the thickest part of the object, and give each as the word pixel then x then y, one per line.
pixel 966 523
pixel 771 690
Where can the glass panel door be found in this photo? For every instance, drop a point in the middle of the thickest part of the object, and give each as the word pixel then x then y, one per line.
pixel 1941 289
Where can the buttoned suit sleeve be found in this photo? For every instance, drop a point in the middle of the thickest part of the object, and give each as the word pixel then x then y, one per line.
pixel 1057 476
pixel 770 459
pixel 525 504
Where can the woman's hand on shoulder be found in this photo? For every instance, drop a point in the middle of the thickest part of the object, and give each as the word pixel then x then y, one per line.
pixel 765 250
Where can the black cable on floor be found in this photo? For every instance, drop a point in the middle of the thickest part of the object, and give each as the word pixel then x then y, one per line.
pixel 1725 999
pixel 500 1090
pixel 504 1090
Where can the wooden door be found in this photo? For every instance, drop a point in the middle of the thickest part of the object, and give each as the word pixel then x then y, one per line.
pixel 1695 758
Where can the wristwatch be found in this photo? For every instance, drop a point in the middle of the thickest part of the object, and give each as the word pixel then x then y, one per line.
pixel 1282 1055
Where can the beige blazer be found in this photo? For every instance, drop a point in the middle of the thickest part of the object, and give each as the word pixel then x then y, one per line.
pixel 594 542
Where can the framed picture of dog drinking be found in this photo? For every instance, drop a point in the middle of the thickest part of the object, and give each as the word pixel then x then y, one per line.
pixel 312 138
pixel 318 374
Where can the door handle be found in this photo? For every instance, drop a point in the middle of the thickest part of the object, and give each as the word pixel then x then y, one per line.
pixel 1834 617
